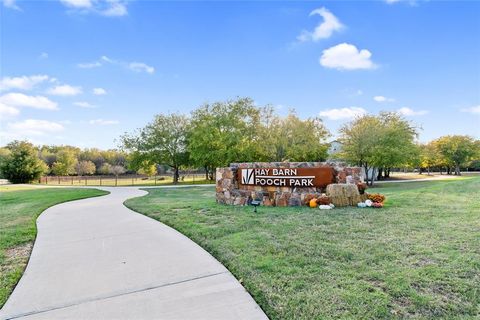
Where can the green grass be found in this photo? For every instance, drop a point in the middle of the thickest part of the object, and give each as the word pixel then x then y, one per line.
pixel 419 257
pixel 19 210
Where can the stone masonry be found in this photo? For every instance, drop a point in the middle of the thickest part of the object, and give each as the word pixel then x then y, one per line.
pixel 229 191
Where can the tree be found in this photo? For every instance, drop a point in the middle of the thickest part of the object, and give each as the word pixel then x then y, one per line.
pixel 65 164
pixel 429 156
pixel 163 141
pixel 396 143
pixel 85 167
pixel 291 138
pixel 378 142
pixel 359 140
pixel 22 165
pixel 224 132
pixel 4 156
pixel 105 169
pixel 148 169
pixel 457 150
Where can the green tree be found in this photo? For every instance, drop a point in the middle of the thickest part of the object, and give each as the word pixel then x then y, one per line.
pixel 21 164
pixel 224 132
pixel 395 146
pixel 163 141
pixel 147 168
pixel 429 156
pixel 4 156
pixel 360 140
pixel 379 143
pixel 291 138
pixel 85 167
pixel 65 163
pixel 457 150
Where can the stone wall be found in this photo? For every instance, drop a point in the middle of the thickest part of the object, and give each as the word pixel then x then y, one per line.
pixel 229 191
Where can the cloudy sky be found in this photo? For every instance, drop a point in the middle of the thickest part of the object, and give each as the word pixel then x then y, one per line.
pixel 82 72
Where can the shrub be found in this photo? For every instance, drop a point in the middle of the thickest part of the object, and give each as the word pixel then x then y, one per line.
pixel 22 164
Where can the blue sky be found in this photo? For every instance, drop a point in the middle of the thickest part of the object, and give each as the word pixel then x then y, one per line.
pixel 336 59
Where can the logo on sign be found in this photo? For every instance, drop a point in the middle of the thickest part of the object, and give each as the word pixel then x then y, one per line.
pixel 248 176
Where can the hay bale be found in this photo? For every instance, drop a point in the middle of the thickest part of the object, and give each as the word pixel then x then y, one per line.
pixel 342 190
pixel 343 194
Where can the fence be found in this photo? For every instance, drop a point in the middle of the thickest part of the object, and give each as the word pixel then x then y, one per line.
pixel 124 180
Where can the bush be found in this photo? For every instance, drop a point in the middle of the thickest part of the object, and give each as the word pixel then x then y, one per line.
pixel 22 165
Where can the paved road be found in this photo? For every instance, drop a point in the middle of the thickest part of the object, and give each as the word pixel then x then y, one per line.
pixel 96 259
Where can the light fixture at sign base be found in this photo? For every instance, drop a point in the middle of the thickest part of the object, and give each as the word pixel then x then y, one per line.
pixel 255 204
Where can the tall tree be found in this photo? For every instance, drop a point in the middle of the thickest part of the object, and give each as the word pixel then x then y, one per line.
pixel 224 132
pixel 396 144
pixel 21 164
pixel 291 138
pixel 457 150
pixel 163 141
pixel 360 140
pixel 85 167
pixel 65 163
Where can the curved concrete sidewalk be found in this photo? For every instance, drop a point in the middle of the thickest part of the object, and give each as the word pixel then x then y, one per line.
pixel 96 259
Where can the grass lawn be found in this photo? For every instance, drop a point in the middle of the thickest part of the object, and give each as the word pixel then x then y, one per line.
pixel 418 257
pixel 19 209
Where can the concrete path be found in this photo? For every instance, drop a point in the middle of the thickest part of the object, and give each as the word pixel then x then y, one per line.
pixel 96 259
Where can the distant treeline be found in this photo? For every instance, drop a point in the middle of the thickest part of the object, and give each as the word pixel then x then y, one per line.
pixel 219 133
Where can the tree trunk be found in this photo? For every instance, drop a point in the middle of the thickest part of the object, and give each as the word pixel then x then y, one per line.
pixel 176 175
pixel 206 172
pixel 457 169
pixel 379 175
pixel 387 172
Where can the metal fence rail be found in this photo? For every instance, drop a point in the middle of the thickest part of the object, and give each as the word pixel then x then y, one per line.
pixel 123 180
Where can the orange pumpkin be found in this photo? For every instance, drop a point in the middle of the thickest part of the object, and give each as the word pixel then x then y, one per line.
pixel 313 203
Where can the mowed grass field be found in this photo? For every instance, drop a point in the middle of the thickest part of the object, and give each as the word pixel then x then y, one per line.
pixel 19 209
pixel 419 257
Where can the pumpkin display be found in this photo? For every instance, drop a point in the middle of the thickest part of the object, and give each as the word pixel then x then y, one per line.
pixel 377 205
pixel 376 197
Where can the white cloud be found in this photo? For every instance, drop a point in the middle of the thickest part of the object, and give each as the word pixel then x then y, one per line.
pixel 141 67
pixel 35 127
pixel 343 113
pixel 133 66
pixel 102 122
pixel 65 90
pixel 410 112
pixel 325 29
pixel 7 111
pixel 383 99
pixel 14 99
pixel 474 110
pixel 99 91
pixel 12 4
pixel 77 3
pixel 22 82
pixel 84 104
pixel 89 65
pixel 109 8
pixel 346 56
pixel 43 55
pixel 115 9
